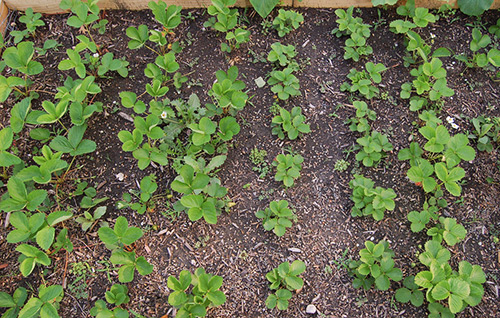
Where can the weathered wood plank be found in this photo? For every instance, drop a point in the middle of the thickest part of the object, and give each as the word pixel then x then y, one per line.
pixel 4 12
pixel 52 6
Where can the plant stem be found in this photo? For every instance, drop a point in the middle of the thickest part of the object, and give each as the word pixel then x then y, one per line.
pixel 148 47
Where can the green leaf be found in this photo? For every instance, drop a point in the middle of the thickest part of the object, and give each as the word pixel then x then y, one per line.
pixel 403 295
pixel 177 298
pixel 143 267
pixel 6 300
pixel 48 294
pixel 45 237
pixel 474 7
pixel 31 308
pixel 263 8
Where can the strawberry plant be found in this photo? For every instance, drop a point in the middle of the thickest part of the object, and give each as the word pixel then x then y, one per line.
pixel 227 92
pixel 117 296
pixel 276 217
pixel 46 305
pixel 204 293
pixel 358 32
pixel 286 21
pixel 145 196
pixel 31 256
pixel 369 200
pixel 375 266
pixel 363 114
pixel 459 289
pixel 410 292
pixel 486 132
pixel 37 227
pixel 373 148
pixel 288 168
pixel 419 220
pixel 14 303
pixel 88 220
pixel 6 158
pixel 284 279
pixel 439 145
pixel 364 81
pixel 227 20
pixel 480 42
pixel 449 230
pixel 283 55
pixel 130 263
pixel 291 123
pixel 121 235
pixel 116 239
pixel 284 83
pixel 32 21
pixel 201 194
pixel 20 59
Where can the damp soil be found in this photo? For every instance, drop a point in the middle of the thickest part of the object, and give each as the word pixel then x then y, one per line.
pixel 324 235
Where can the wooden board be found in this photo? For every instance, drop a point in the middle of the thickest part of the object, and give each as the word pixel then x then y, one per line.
pixel 4 13
pixel 52 6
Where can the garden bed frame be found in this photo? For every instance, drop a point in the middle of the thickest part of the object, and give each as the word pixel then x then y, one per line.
pixel 52 6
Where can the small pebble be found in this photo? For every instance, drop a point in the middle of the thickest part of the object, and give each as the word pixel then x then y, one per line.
pixel 120 176
pixel 311 309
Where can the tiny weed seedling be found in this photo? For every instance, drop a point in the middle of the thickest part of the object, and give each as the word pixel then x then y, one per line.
pixel 204 294
pixel 78 286
pixel 284 279
pixel 277 217
pixel 258 159
pixel 341 165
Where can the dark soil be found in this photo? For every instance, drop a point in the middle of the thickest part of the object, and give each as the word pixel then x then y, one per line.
pixel 237 247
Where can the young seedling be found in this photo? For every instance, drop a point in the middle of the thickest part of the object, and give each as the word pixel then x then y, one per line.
pixel 284 83
pixel 117 296
pixel 369 200
pixel 373 148
pixel 277 217
pixel 293 124
pixel 288 168
pixel 284 279
pixel 204 294
pixel 286 21
pixel 375 266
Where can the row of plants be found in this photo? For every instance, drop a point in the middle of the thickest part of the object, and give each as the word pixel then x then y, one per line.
pixel 435 167
pixel 194 140
pixel 191 138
